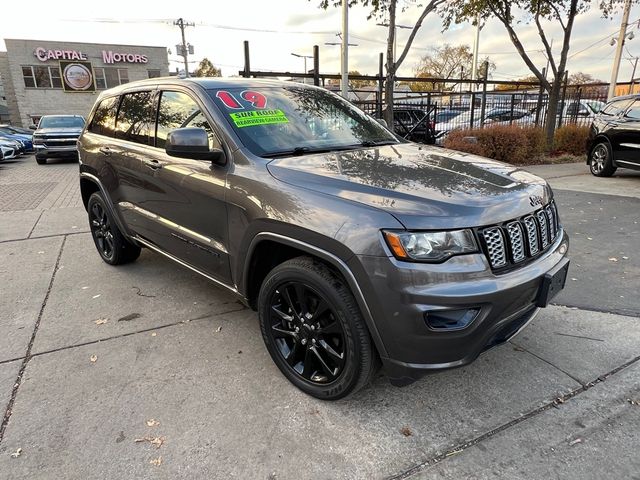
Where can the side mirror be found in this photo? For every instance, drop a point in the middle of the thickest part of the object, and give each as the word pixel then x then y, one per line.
pixel 382 122
pixel 33 127
pixel 192 143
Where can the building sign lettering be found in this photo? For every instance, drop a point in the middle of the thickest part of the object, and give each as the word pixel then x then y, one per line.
pixel 43 54
pixel 108 56
pixel 116 57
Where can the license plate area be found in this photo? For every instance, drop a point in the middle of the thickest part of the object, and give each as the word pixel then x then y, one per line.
pixel 552 283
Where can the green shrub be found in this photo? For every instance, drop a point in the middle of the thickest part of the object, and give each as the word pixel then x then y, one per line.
pixel 571 139
pixel 507 143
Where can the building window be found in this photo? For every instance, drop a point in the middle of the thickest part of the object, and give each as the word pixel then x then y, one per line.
pixel 154 73
pixel 27 75
pixel 40 76
pixel 56 80
pixel 101 81
pixel 123 75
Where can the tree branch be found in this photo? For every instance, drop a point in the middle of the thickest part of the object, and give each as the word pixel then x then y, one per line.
pixel 573 10
pixel 433 4
pixel 547 47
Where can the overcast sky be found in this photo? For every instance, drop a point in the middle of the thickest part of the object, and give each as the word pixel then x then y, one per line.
pixel 276 28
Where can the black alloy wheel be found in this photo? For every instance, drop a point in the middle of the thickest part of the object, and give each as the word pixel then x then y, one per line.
pixel 101 230
pixel 307 333
pixel 314 330
pixel 111 244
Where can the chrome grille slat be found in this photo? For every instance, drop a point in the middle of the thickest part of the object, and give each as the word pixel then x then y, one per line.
pixel 544 229
pixel 532 235
pixel 495 247
pixel 513 242
pixel 514 230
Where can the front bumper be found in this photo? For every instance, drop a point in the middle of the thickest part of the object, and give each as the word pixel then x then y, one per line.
pixel 403 295
pixel 52 152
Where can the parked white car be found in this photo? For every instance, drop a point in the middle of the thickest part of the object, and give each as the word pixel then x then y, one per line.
pixel 492 116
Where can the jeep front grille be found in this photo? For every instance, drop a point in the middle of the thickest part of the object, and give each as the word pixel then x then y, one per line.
pixel 520 239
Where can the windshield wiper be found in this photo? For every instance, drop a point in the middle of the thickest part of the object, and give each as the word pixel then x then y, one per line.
pixel 371 143
pixel 292 153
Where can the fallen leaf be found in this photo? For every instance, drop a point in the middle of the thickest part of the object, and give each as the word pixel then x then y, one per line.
pixel 152 423
pixel 589 238
pixel 100 321
pixel 406 431
pixel 454 452
pixel 93 358
pixel 40 252
pixel 559 400
pixel 96 296
pixel 155 441
pixel 17 453
pixel 156 461
pixel 84 288
pixel 153 334
pixel 218 329
pixel 625 258
pixel 573 442
pixel 574 279
pixel 613 259
pixel 633 402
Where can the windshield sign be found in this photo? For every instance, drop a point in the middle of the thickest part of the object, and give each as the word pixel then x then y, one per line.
pixel 294 120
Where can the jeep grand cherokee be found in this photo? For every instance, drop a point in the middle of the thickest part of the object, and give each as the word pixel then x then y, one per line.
pixel 354 247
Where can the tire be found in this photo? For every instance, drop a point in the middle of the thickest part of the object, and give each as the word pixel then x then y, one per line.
pixel 112 246
pixel 40 160
pixel 601 160
pixel 301 342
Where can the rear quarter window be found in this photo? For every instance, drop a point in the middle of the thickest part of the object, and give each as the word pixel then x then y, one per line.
pixel 104 119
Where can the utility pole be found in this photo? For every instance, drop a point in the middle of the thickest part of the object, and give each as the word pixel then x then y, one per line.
pixel 184 50
pixel 633 75
pixel 476 48
pixel 344 65
pixel 620 46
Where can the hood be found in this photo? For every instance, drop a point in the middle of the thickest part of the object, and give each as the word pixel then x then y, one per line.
pixel 423 187
pixel 59 131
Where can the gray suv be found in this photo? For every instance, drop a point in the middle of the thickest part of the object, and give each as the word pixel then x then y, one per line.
pixel 357 249
pixel 56 137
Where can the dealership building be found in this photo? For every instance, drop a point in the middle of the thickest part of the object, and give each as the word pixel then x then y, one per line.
pixel 50 77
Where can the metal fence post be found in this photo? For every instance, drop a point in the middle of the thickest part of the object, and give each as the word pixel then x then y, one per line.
pixel 380 84
pixel 564 94
pixel 484 93
pixel 540 93
pixel 473 108
pixel 513 97
pixel 247 65
pixel 316 65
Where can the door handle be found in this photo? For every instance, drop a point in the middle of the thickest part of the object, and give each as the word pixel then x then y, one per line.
pixel 105 150
pixel 154 164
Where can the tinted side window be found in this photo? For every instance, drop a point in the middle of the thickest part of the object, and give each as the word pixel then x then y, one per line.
pixel 135 117
pixel 104 120
pixel 179 110
pixel 615 107
pixel 634 111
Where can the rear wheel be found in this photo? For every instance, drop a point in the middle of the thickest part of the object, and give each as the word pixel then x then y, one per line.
pixel 314 331
pixel 601 160
pixel 112 246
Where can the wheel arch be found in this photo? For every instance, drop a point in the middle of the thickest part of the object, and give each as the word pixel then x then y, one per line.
pixel 282 248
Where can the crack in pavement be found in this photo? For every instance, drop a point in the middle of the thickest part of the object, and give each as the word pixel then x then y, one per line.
pixel 533 413
pixel 35 224
pixel 122 335
pixel 43 236
pixel 28 356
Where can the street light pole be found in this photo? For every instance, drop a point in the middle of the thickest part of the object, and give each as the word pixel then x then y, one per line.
pixel 476 48
pixel 185 52
pixel 620 46
pixel 304 57
pixel 344 66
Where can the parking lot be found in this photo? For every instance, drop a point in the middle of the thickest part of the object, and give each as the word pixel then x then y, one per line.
pixel 149 371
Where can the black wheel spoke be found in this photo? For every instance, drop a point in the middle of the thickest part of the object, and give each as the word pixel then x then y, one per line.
pixel 302 299
pixel 281 332
pixel 289 300
pixel 293 357
pixel 95 223
pixel 332 328
pixel 307 369
pixel 321 309
pixel 281 314
pixel 323 364
pixel 337 357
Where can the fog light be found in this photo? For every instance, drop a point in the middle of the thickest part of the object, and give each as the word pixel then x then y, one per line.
pixel 443 320
pixel 563 249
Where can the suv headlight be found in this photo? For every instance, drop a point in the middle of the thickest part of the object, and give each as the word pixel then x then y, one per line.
pixel 430 246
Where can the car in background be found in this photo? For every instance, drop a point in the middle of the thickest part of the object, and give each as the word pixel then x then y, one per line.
pixel 492 116
pixel 56 137
pixel 413 124
pixel 10 148
pixel 25 139
pixel 614 137
pixel 15 129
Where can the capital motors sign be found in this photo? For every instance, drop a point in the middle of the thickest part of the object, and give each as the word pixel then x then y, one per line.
pixel 108 56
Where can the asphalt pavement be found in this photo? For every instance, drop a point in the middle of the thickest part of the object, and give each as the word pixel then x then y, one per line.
pixel 149 371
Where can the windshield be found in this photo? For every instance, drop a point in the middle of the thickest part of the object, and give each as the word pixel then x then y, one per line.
pixel 61 122
pixel 446 115
pixel 296 120
pixel 595 105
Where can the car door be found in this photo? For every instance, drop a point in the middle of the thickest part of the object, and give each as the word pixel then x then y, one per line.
pixel 186 209
pixel 629 135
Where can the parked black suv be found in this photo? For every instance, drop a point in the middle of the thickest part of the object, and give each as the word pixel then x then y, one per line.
pixel 614 137
pixel 355 248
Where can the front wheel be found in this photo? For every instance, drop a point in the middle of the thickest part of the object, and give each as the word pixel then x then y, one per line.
pixel 314 331
pixel 601 160
pixel 40 160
